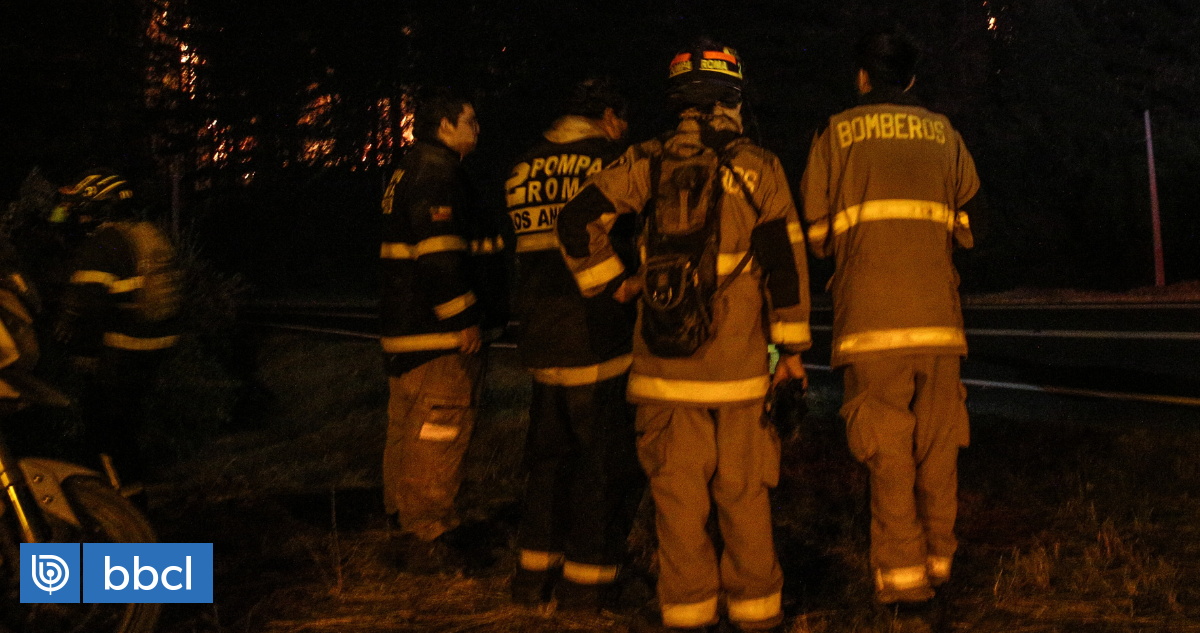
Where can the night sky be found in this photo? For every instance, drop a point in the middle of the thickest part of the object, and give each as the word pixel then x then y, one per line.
pixel 277 113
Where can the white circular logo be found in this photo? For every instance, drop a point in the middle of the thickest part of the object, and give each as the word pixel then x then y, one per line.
pixel 50 573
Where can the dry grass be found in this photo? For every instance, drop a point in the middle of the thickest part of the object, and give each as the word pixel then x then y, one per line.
pixel 1068 524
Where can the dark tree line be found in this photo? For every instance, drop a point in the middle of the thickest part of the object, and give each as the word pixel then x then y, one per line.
pixel 1048 93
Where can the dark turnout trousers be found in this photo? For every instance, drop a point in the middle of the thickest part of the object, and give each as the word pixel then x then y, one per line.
pixel 584 481
pixel 430 417
pixel 906 418
pixel 728 455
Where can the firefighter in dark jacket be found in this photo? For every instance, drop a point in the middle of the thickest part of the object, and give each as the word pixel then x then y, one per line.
pixel 580 446
pixel 701 435
pixel 433 238
pixel 118 316
pixel 887 193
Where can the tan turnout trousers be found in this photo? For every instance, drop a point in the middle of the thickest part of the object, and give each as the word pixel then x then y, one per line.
pixel 906 418
pixel 430 416
pixel 692 455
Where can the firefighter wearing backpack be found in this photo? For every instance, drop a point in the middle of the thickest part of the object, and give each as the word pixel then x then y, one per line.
pixel 724 274
pixel 580 445
pixel 887 192
pixel 118 315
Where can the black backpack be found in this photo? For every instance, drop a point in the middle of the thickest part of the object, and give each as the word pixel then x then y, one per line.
pixel 682 247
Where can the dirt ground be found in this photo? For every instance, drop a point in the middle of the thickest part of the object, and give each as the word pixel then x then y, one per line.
pixel 1074 516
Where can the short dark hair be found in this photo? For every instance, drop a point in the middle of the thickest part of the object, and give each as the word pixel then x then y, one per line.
pixel 430 111
pixel 592 96
pixel 889 56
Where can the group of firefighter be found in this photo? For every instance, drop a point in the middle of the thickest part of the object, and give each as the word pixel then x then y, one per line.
pixel 886 193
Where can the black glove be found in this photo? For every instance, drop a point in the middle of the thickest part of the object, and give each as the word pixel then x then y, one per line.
pixel 785 407
pixel 65 328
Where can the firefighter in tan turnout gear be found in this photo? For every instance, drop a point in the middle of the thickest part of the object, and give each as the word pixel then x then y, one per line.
pixel 434 245
pixel 701 434
pixel 583 469
pixel 119 316
pixel 886 194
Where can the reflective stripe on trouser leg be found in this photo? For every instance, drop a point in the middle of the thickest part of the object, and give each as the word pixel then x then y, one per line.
pixel 768 608
pixel 901 579
pixel 938 569
pixel 677 447
pixel 430 418
pixel 531 560
pixel 584 574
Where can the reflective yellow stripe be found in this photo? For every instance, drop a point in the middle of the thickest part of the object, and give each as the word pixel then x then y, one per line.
pixel 454 306
pixel 901 578
pixel 419 342
pixel 544 241
pixel 726 262
pixel 93 277
pixel 600 274
pixel 441 244
pixel 676 390
pixel 589 375
pixel 818 231
pixel 438 244
pixel 127 285
pixel 876 340
pixel 938 566
pixel 123 341
pixel 397 250
pixel 875 210
pixel 962 220
pixel 692 615
pixel 533 560
pixel 487 246
pixel 437 432
pixel 795 233
pixel 790 333
pixel 582 574
pixel 757 609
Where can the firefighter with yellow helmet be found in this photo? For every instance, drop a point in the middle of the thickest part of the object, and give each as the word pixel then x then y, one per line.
pixel 724 273
pixel 119 313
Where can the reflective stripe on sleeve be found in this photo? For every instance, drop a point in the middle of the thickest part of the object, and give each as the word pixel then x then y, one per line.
pixel 962 220
pixel 420 342
pixel 877 340
pixel 757 609
pixel 818 231
pixel 487 246
pixel 938 566
pixel 795 233
pixel 108 280
pixel 691 615
pixel 676 390
pixel 600 274
pixel 544 241
pixel 397 250
pixel 901 578
pixel 124 341
pixel 454 306
pixel 533 560
pixel 431 432
pixel 790 333
pixel 727 262
pixel 875 210
pixel 582 574
pixel 576 376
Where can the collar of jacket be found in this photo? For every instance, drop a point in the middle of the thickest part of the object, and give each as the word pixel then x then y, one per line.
pixel 437 147
pixel 571 128
pixel 889 94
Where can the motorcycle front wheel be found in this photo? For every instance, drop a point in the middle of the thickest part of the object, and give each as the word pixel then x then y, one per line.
pixel 105 517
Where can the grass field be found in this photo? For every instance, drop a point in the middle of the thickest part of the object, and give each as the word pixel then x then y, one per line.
pixel 1074 516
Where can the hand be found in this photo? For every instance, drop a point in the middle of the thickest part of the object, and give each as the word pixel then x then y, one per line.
pixel 629 290
pixel 64 328
pixel 470 340
pixel 788 368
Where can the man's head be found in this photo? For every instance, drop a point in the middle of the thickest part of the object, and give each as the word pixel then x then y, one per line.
pixel 95 196
pixel 448 119
pixel 704 75
pixel 598 99
pixel 886 58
